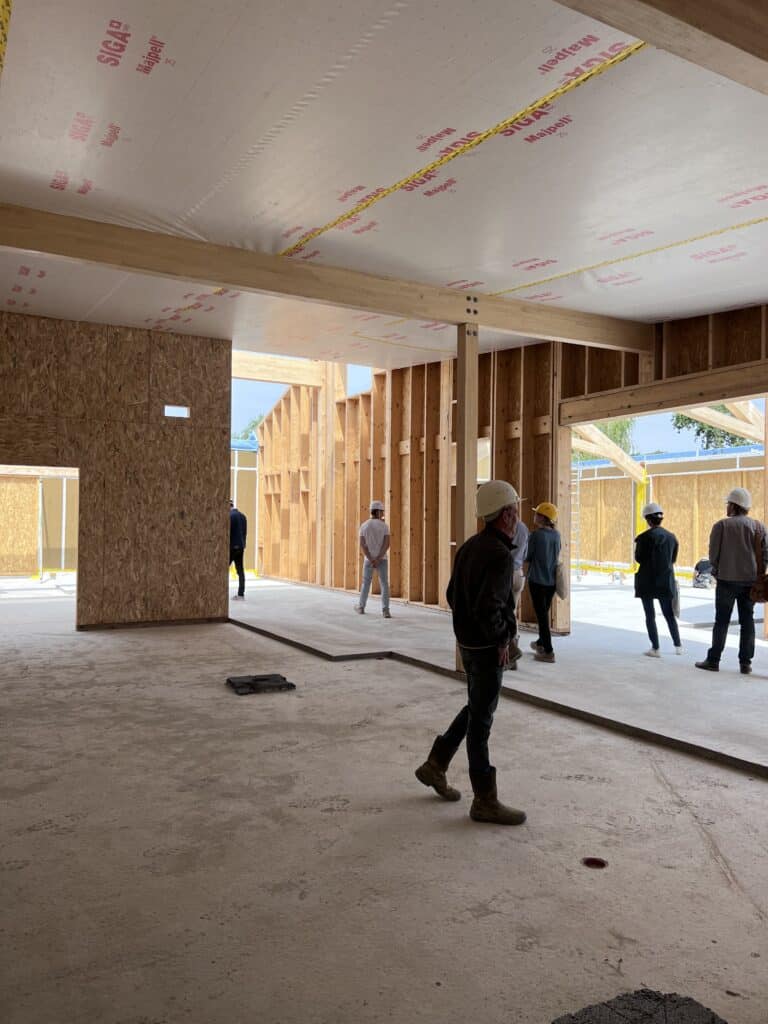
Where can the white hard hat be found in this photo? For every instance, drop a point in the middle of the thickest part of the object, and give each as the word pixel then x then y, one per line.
pixel 377 506
pixel 652 509
pixel 740 496
pixel 493 496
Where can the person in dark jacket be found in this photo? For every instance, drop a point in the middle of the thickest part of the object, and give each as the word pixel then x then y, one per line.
pixel 238 533
pixel 656 553
pixel 542 558
pixel 481 598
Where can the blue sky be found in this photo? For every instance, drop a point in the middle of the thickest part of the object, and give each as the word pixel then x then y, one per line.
pixel 249 398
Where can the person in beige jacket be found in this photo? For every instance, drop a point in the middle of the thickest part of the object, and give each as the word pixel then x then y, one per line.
pixel 732 552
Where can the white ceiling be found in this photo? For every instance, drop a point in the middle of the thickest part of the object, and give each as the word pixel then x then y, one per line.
pixel 262 121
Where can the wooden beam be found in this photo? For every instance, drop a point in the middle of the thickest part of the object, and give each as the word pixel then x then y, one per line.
pixel 185 259
pixel 276 369
pixel 722 421
pixel 610 450
pixel 580 445
pixel 729 37
pixel 467 368
pixel 749 380
pixel 747 412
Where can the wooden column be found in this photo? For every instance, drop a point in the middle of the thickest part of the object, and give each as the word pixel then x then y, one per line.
pixel 445 482
pixel 466 431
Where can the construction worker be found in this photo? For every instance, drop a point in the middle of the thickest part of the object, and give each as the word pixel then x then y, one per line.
pixel 374 543
pixel 656 553
pixel 733 551
pixel 480 596
pixel 542 558
pixel 238 533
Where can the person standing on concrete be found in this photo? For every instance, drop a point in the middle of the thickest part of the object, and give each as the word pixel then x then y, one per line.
pixel 238 532
pixel 480 596
pixel 519 552
pixel 542 558
pixel 374 543
pixel 656 553
pixel 732 552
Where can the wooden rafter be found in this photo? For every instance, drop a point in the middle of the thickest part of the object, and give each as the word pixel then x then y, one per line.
pixel 186 259
pixel 608 449
pixel 729 37
pixel 723 421
pixel 747 412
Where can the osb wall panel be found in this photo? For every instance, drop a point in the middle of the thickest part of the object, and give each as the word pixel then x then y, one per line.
pixel 153 536
pixel 18 526
pixel 52 489
pixel 605 521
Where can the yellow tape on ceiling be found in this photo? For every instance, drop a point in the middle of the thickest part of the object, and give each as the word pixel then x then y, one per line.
pixel 633 256
pixel 5 21
pixel 489 133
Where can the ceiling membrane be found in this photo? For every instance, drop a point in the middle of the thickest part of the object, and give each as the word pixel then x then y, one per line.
pixel 642 193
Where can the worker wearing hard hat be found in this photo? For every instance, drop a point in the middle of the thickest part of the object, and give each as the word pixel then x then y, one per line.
pixel 542 558
pixel 481 599
pixel 374 543
pixel 656 553
pixel 737 545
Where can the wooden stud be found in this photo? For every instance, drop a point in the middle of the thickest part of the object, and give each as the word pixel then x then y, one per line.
pixel 416 487
pixel 444 483
pixel 466 431
pixel 394 488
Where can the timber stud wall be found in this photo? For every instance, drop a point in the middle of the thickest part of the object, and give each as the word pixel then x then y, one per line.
pixel 397 443
pixel 153 537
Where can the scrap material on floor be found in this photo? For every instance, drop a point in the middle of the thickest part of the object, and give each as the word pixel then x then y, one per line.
pixel 172 854
pixel 600 668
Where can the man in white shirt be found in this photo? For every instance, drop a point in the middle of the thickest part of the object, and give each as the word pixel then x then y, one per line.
pixel 374 543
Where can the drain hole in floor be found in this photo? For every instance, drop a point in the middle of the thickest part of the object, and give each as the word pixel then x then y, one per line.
pixel 594 862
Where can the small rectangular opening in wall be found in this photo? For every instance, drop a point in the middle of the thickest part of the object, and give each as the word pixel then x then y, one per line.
pixel 179 411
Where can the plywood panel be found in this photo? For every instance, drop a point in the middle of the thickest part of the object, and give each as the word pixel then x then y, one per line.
pixel 150 493
pixel 394 502
pixel 574 371
pixel 617 519
pixel 431 482
pixel 18 526
pixel 28 364
pixel 686 346
pixel 604 370
pixel 737 336
pixel 51 523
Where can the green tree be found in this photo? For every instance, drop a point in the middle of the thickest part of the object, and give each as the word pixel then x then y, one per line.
pixel 619 431
pixel 708 437
pixel 252 426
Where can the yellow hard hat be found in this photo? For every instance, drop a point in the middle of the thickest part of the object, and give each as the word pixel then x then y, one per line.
pixel 548 510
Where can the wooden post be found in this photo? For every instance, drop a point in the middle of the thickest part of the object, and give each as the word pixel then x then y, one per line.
pixel 445 482
pixel 466 432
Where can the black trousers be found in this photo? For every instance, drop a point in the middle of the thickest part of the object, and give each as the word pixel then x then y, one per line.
pixel 650 620
pixel 541 598
pixel 236 556
pixel 484 675
pixel 726 595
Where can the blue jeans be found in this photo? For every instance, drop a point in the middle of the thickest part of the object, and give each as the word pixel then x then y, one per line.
pixel 368 570
pixel 484 675
pixel 650 620
pixel 726 595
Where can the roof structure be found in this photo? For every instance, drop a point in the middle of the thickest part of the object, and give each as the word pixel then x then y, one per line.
pixel 512 147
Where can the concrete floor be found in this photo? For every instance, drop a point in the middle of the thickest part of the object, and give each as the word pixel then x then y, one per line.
pixel 173 853
pixel 600 667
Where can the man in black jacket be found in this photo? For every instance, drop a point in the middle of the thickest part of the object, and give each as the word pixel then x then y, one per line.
pixel 238 532
pixel 656 553
pixel 481 598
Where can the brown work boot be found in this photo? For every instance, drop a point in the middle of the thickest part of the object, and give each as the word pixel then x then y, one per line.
pixel 542 655
pixel 486 807
pixel 432 772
